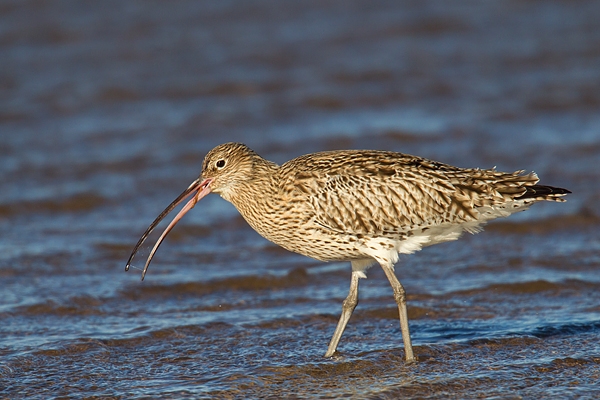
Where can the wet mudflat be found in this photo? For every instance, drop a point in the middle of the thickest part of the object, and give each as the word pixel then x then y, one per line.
pixel 107 109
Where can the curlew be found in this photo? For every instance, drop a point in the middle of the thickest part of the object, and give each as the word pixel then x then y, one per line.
pixel 361 206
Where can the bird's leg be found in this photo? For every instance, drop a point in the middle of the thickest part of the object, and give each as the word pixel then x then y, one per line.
pixel 348 307
pixel 400 297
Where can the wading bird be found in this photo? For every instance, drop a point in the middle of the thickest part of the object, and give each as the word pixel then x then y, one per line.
pixel 361 206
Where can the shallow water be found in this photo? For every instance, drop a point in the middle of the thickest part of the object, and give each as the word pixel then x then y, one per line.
pixel 107 109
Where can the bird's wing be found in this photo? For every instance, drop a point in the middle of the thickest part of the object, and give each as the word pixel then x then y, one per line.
pixel 369 205
pixel 383 193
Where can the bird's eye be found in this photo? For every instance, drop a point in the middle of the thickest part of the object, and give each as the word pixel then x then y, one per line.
pixel 220 163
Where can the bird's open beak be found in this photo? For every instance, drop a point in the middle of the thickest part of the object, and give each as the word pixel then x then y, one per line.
pixel 199 188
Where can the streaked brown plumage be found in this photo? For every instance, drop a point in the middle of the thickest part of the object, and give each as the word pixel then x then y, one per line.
pixel 360 206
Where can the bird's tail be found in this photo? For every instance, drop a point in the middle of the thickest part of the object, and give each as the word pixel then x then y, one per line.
pixel 542 192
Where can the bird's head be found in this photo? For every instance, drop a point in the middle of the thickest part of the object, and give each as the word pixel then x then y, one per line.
pixel 225 167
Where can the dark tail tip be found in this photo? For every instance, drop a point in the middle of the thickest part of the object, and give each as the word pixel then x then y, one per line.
pixel 542 192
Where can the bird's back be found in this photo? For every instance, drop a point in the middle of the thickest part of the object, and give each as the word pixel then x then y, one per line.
pixel 349 197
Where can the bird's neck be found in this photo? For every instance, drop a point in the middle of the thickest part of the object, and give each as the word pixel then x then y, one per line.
pixel 260 183
pixel 256 197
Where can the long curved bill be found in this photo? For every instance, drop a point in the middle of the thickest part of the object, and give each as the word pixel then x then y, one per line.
pixel 199 188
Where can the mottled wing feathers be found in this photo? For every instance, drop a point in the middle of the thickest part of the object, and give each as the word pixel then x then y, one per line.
pixel 363 205
pixel 378 193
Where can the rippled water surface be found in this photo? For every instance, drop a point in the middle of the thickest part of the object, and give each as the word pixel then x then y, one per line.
pixel 107 109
